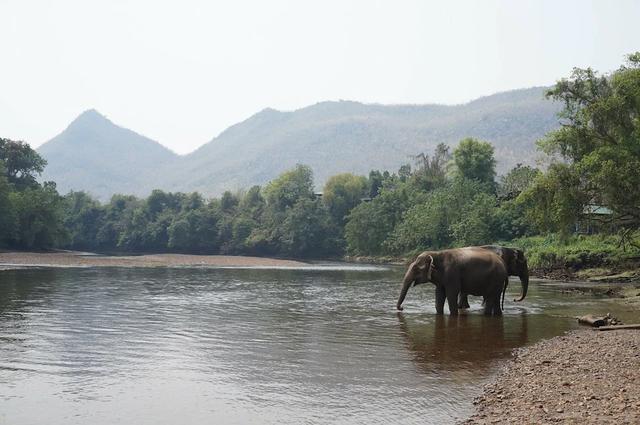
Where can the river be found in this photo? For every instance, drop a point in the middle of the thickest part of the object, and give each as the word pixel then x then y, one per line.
pixel 322 344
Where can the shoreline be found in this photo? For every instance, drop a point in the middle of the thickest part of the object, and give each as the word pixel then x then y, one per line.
pixel 584 376
pixel 605 275
pixel 11 260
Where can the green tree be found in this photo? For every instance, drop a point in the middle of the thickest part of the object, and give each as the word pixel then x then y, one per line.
pixel 307 230
pixel 289 187
pixel 555 199
pixel 7 213
pixel 370 224
pixel 82 218
pixel 599 139
pixel 430 171
pixel 39 212
pixel 342 193
pixel 22 164
pixel 517 180
pixel 375 183
pixel 474 160
pixel 477 223
pixel 117 214
pixel 228 202
pixel 195 231
pixel 460 213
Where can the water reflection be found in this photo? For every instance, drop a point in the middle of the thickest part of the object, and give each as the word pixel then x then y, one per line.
pixel 454 342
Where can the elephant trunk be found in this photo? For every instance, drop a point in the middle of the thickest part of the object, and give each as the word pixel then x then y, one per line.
pixel 408 279
pixel 524 279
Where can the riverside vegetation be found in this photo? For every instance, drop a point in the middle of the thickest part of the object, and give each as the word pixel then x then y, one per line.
pixel 444 199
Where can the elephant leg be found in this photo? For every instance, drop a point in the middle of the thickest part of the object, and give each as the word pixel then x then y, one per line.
pixel 492 306
pixel 463 301
pixel 440 297
pixel 497 311
pixel 452 299
pixel 488 306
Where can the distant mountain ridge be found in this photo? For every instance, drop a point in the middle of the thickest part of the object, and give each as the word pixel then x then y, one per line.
pixel 331 137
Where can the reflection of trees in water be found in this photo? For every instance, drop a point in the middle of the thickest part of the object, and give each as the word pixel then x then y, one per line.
pixel 462 342
pixel 21 291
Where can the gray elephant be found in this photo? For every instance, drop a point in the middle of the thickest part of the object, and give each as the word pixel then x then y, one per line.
pixel 471 270
pixel 516 263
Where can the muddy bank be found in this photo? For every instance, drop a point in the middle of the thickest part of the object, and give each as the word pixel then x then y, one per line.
pixel 585 376
pixel 10 260
pixel 629 273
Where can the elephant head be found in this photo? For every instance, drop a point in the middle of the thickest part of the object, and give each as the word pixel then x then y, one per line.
pixel 516 263
pixel 418 272
pixel 517 266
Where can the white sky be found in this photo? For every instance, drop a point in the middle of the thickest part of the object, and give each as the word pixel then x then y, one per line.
pixel 180 72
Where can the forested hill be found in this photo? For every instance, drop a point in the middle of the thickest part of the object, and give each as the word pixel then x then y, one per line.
pixel 331 137
pixel 95 155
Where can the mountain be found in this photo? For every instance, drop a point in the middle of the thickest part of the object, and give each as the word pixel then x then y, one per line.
pixel 331 137
pixel 334 137
pixel 95 155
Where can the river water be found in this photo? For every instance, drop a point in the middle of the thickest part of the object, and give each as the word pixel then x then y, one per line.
pixel 254 346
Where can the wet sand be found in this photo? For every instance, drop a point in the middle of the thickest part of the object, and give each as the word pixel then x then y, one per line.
pixel 584 377
pixel 10 260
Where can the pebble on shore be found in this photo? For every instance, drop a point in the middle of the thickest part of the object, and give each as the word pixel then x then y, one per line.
pixel 585 377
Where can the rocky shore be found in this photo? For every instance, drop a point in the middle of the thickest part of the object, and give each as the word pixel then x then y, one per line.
pixel 584 377
pixel 9 260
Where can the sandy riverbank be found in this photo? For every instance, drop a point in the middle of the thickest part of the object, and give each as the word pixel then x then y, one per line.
pixel 10 260
pixel 584 377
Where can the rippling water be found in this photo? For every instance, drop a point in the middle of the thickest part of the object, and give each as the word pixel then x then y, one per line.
pixel 247 346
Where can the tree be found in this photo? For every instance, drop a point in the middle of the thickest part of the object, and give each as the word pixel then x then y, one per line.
pixel 599 140
pixel 430 171
pixel 289 187
pixel 7 213
pixel 228 202
pixel 517 180
pixel 460 213
pixel 477 222
pixel 82 218
pixel 307 230
pixel 117 214
pixel 22 164
pixel 39 211
pixel 375 183
pixel 555 200
pixel 404 172
pixel 195 231
pixel 474 160
pixel 342 193
pixel 370 224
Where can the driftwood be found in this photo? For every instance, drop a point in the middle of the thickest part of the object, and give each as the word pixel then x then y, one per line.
pixel 599 321
pixel 613 328
pixel 590 320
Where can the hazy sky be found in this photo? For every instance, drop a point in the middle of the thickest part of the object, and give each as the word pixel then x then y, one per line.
pixel 180 72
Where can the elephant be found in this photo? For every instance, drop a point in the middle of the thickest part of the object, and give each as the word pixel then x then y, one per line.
pixel 470 270
pixel 516 263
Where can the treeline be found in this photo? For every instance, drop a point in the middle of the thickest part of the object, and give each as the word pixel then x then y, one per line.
pixel 443 199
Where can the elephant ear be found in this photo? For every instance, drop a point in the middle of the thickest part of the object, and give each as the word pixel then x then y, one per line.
pixel 514 260
pixel 423 261
pixel 520 256
pixel 423 267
